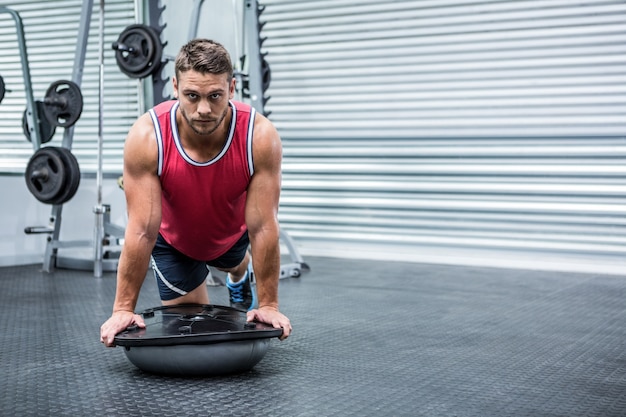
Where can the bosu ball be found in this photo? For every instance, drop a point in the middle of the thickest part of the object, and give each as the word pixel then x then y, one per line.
pixel 196 339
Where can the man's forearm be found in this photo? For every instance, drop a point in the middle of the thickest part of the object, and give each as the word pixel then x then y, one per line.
pixel 132 269
pixel 266 265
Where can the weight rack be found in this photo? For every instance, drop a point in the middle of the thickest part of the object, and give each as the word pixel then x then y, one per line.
pixel 31 113
pixel 106 234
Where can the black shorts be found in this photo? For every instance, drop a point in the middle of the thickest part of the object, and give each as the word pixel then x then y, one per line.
pixel 177 274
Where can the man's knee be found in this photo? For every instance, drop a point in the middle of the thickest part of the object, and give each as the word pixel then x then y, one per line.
pixel 239 270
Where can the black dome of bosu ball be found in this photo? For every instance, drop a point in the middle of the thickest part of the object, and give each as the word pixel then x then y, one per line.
pixel 196 340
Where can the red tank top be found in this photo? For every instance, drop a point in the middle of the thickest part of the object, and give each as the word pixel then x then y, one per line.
pixel 203 203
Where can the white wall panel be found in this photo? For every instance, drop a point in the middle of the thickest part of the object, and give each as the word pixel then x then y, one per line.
pixel 469 132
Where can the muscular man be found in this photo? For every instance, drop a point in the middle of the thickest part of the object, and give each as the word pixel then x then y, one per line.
pixel 202 183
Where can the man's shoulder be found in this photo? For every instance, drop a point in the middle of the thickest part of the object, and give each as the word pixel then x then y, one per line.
pixel 241 106
pixel 164 107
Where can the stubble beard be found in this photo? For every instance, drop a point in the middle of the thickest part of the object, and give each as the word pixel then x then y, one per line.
pixel 218 123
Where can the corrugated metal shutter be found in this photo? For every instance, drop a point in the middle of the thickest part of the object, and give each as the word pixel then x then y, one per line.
pixel 51 30
pixel 459 131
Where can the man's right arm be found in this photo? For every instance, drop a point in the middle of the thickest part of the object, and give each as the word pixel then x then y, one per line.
pixel 143 203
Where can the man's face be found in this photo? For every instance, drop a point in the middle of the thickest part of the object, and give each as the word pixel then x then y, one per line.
pixel 203 99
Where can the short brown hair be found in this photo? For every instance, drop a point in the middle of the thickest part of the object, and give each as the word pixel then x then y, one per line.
pixel 204 56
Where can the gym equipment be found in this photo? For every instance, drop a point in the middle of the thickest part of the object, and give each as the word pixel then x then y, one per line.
pixel 160 84
pixel 196 339
pixel 2 89
pixel 259 74
pixel 253 86
pixel 32 115
pixel 45 128
pixel 297 266
pixel 138 51
pixel 62 106
pixel 100 209
pixel 63 103
pixel 266 79
pixel 266 74
pixel 45 175
pixel 53 175
pixel 73 176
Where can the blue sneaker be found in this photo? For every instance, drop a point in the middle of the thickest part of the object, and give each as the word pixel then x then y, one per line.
pixel 242 295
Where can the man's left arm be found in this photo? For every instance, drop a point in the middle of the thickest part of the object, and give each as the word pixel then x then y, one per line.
pixel 262 222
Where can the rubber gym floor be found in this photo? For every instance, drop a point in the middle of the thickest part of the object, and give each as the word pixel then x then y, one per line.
pixel 370 339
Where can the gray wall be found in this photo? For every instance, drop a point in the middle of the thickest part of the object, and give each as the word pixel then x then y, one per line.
pixel 20 209
pixel 333 211
pixel 453 131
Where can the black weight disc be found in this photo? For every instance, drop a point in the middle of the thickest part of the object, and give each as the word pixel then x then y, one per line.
pixel 46 175
pixel 266 75
pixel 138 51
pixel 2 89
pixel 73 176
pixel 46 130
pixel 63 103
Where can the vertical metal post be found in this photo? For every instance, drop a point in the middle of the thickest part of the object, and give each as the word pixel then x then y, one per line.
pixel 252 29
pixel 50 253
pixel 141 93
pixel 238 51
pixel 99 209
pixel 77 77
pixel 31 108
pixel 79 59
pixel 195 18
pixel 255 82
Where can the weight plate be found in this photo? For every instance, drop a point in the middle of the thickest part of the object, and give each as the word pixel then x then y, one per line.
pixel 46 130
pixel 266 79
pixel 46 175
pixel 72 180
pixel 266 75
pixel 63 103
pixel 138 51
pixel 2 89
